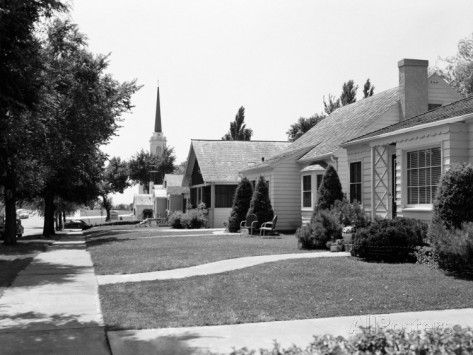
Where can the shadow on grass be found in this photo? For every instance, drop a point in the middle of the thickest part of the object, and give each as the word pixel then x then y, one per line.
pixel 163 345
pixel 100 241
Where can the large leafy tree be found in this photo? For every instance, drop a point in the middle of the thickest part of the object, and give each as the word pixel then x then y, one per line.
pixel 241 204
pixel 459 68
pixel 81 109
pixel 238 130
pixel 20 86
pixel 143 163
pixel 115 179
pixel 302 126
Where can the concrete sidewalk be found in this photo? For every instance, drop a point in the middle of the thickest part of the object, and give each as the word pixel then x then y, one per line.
pixel 223 339
pixel 216 267
pixel 53 306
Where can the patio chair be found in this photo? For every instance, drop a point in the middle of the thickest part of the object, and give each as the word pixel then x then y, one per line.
pixel 249 225
pixel 269 227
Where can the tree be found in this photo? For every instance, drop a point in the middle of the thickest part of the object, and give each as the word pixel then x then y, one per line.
pixel 238 130
pixel 80 108
pixel 115 179
pixel 302 126
pixel 368 89
pixel 181 168
pixel 348 95
pixel 241 204
pixel 143 163
pixel 20 85
pixel 260 204
pixel 331 105
pixel 330 189
pixel 459 68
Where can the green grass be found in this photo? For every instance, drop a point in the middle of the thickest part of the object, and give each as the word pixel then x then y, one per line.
pixel 293 289
pixel 129 252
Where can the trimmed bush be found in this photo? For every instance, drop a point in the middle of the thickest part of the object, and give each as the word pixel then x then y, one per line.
pixel 454 203
pixel 453 247
pixel 393 240
pixel 456 340
pixel 350 214
pixel 241 204
pixel 260 204
pixel 325 227
pixel 175 219
pixel 330 189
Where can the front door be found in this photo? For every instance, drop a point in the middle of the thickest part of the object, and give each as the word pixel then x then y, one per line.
pixel 393 185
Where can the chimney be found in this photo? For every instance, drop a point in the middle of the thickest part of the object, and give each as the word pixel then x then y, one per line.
pixel 413 86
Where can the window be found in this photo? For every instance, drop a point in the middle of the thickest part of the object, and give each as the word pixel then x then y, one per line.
pixel 424 168
pixel 224 195
pixel 306 191
pixel 355 181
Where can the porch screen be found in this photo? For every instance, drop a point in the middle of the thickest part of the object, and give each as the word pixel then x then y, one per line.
pixel 355 182
pixel 224 195
pixel 307 191
pixel 423 174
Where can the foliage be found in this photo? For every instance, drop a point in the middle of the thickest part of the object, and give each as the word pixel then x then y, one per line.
pixel 348 95
pixel 175 219
pixel 453 203
pixel 115 179
pixel 181 168
pixel 331 105
pixel 260 204
pixel 350 214
pixel 241 204
pixel 459 68
pixel 325 227
pixel 393 240
pixel 192 219
pixel 453 247
pixel 143 163
pixel 426 255
pixel 437 340
pixel 330 189
pixel 304 237
pixel 368 89
pixel 238 130
pixel 302 126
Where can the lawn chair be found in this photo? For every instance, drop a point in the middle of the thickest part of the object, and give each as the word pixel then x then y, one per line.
pixel 268 227
pixel 249 225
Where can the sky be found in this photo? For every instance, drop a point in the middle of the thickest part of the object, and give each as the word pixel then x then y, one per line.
pixel 278 59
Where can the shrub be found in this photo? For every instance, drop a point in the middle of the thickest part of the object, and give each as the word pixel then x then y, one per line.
pixel 425 255
pixel 241 204
pixel 453 203
pixel 175 219
pixel 330 189
pixel 350 214
pixel 392 240
pixel 453 247
pixel 304 237
pixel 325 227
pixel 260 204
pixel 456 340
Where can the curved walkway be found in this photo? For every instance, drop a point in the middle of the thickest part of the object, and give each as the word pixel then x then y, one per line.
pixel 210 268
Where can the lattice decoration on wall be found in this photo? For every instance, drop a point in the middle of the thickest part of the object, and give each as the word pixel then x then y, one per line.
pixel 381 180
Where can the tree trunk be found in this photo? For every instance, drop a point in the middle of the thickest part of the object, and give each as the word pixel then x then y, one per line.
pixel 10 213
pixel 108 218
pixel 48 227
pixel 63 219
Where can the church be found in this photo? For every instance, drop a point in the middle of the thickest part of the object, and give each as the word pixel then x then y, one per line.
pixel 157 200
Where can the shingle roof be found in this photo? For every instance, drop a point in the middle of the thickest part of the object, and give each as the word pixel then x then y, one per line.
pixel 346 123
pixel 456 108
pixel 221 161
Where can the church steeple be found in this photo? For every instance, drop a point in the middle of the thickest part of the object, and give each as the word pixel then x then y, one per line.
pixel 157 119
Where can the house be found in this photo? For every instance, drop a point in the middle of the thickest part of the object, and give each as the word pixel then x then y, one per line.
pixel 296 173
pixel 176 194
pixel 143 206
pixel 212 172
pixel 400 165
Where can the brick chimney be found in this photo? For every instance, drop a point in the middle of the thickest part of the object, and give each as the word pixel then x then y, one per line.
pixel 413 86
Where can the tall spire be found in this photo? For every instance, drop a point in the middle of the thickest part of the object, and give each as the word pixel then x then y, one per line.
pixel 157 120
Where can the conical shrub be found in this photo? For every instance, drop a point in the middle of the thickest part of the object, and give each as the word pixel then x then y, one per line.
pixel 330 189
pixel 260 204
pixel 241 204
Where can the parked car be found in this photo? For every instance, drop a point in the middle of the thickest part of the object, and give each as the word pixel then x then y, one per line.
pixel 19 228
pixel 76 224
pixel 22 214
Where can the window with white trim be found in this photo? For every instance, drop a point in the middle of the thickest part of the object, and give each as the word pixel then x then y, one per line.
pixel 424 168
pixel 306 191
pixel 355 181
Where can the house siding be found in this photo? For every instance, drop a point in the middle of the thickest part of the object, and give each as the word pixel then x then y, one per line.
pixel 362 153
pixel 439 92
pixel 220 217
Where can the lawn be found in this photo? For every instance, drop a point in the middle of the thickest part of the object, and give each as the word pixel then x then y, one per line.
pixel 293 289
pixel 125 252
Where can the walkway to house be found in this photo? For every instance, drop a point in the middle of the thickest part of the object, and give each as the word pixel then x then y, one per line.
pixel 225 338
pixel 210 268
pixel 53 304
